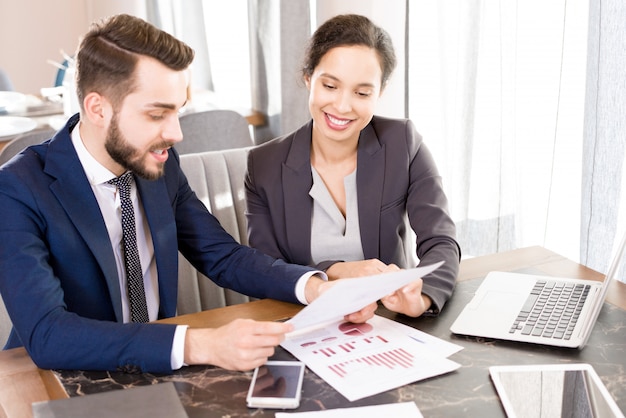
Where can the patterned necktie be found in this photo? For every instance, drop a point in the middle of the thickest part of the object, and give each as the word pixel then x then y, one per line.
pixel 134 275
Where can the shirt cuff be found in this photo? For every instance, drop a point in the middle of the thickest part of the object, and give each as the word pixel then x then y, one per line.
pixel 177 359
pixel 302 281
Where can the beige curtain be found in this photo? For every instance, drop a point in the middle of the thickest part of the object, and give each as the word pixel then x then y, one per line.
pixel 497 88
pixel 279 31
pixel 523 104
pixel 603 204
pixel 185 20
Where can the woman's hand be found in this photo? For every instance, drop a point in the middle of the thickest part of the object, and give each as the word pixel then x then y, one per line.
pixel 351 269
pixel 316 286
pixel 408 300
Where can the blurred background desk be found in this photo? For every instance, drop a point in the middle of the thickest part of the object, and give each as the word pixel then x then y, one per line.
pixel 209 391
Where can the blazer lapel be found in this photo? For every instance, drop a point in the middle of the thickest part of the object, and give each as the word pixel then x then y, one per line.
pixel 163 230
pixel 297 181
pixel 77 199
pixel 369 182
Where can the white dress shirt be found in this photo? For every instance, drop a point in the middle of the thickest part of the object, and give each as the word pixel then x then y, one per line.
pixel 109 202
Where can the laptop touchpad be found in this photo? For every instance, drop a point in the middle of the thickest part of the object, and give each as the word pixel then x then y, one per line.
pixel 496 301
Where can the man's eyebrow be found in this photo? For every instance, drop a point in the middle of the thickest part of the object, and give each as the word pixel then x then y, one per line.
pixel 161 105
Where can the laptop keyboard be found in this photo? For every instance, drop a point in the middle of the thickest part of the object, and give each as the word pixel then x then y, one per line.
pixel 551 310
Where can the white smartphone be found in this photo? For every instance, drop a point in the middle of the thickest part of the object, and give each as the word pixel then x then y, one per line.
pixel 276 384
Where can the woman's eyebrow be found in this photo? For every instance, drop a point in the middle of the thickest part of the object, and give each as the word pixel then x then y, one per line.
pixel 332 77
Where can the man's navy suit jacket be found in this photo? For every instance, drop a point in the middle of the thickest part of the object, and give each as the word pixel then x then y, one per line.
pixel 58 276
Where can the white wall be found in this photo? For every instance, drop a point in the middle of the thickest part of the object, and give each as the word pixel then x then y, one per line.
pixel 35 31
pixel 97 9
pixel 390 15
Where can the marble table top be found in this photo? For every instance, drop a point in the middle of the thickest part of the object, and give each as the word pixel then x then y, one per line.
pixel 468 391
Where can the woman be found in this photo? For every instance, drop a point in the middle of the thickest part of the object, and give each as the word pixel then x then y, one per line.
pixel 335 193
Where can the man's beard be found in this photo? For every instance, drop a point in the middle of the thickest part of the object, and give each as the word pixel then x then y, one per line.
pixel 126 155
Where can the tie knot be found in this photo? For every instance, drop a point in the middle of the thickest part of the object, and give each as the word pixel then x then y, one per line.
pixel 122 182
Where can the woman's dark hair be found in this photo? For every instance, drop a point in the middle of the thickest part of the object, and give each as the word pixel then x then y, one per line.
pixel 107 55
pixel 349 30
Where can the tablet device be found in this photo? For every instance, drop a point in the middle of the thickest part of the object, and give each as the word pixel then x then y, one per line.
pixel 553 390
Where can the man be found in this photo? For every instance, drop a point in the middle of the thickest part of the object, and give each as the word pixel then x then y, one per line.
pixel 66 259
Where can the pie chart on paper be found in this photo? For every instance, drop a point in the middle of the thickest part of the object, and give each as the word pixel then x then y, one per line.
pixel 348 328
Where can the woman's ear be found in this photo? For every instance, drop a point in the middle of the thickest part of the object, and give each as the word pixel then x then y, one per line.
pixel 97 109
pixel 307 82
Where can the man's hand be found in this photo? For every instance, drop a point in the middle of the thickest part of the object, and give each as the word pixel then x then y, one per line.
pixel 408 300
pixel 243 344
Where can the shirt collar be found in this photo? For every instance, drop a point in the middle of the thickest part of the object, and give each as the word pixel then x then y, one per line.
pixel 96 172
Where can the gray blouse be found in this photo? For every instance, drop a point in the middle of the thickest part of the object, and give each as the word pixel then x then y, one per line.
pixel 334 237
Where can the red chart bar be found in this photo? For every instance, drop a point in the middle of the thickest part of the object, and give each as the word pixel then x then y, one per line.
pixel 389 359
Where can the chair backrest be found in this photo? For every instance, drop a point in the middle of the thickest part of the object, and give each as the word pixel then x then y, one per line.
pixel 217 178
pixel 213 130
pixel 22 141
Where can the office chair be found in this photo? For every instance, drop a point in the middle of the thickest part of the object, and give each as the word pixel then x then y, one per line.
pixel 22 141
pixel 217 178
pixel 213 130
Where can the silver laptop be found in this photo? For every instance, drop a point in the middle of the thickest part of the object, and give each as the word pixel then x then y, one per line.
pixel 531 308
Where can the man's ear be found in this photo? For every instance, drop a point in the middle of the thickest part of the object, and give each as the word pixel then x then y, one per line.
pixel 97 109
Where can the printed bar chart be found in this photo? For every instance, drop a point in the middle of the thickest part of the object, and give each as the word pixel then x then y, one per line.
pixel 389 359
pixel 360 360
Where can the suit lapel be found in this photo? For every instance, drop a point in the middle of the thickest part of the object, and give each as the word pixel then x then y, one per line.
pixel 297 181
pixel 163 230
pixel 370 178
pixel 77 199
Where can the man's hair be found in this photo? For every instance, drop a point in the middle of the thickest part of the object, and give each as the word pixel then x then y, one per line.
pixel 108 53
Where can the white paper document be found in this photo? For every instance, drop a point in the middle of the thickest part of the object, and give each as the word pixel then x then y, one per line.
pixel 351 295
pixel 361 360
pixel 395 410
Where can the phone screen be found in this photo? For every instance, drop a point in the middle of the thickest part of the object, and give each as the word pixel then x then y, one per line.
pixel 276 384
